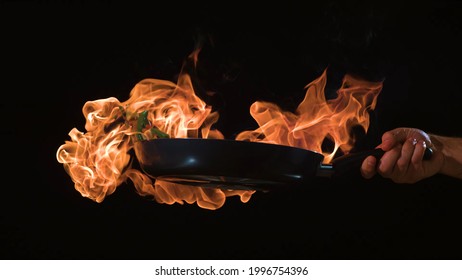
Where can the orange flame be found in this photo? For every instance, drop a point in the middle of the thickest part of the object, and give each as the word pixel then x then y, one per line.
pixel 99 160
pixel 316 118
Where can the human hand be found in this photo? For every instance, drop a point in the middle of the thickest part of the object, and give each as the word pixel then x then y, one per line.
pixel 403 161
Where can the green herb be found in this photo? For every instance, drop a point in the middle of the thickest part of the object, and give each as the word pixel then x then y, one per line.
pixel 141 123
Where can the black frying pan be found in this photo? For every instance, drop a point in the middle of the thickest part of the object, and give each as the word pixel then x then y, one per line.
pixel 241 165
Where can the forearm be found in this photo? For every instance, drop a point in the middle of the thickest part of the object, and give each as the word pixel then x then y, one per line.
pixel 451 149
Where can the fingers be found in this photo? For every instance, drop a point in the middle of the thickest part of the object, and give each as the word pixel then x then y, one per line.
pixel 404 164
pixel 393 137
pixel 407 152
pixel 416 164
pixel 388 140
pixel 400 135
pixel 419 152
pixel 388 161
pixel 403 158
pixel 368 167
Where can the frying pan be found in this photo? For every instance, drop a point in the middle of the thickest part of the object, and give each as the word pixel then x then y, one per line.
pixel 242 165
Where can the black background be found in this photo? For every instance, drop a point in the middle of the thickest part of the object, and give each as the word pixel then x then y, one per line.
pixel 58 55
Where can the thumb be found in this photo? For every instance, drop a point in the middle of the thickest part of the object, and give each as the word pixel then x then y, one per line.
pixel 391 138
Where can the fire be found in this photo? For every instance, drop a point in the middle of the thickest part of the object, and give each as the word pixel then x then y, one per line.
pixel 317 119
pixel 100 159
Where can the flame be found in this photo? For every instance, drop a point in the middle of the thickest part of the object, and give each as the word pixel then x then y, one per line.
pixel 99 160
pixel 317 119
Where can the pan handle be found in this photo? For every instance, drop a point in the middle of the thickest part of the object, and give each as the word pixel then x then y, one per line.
pixel 353 161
